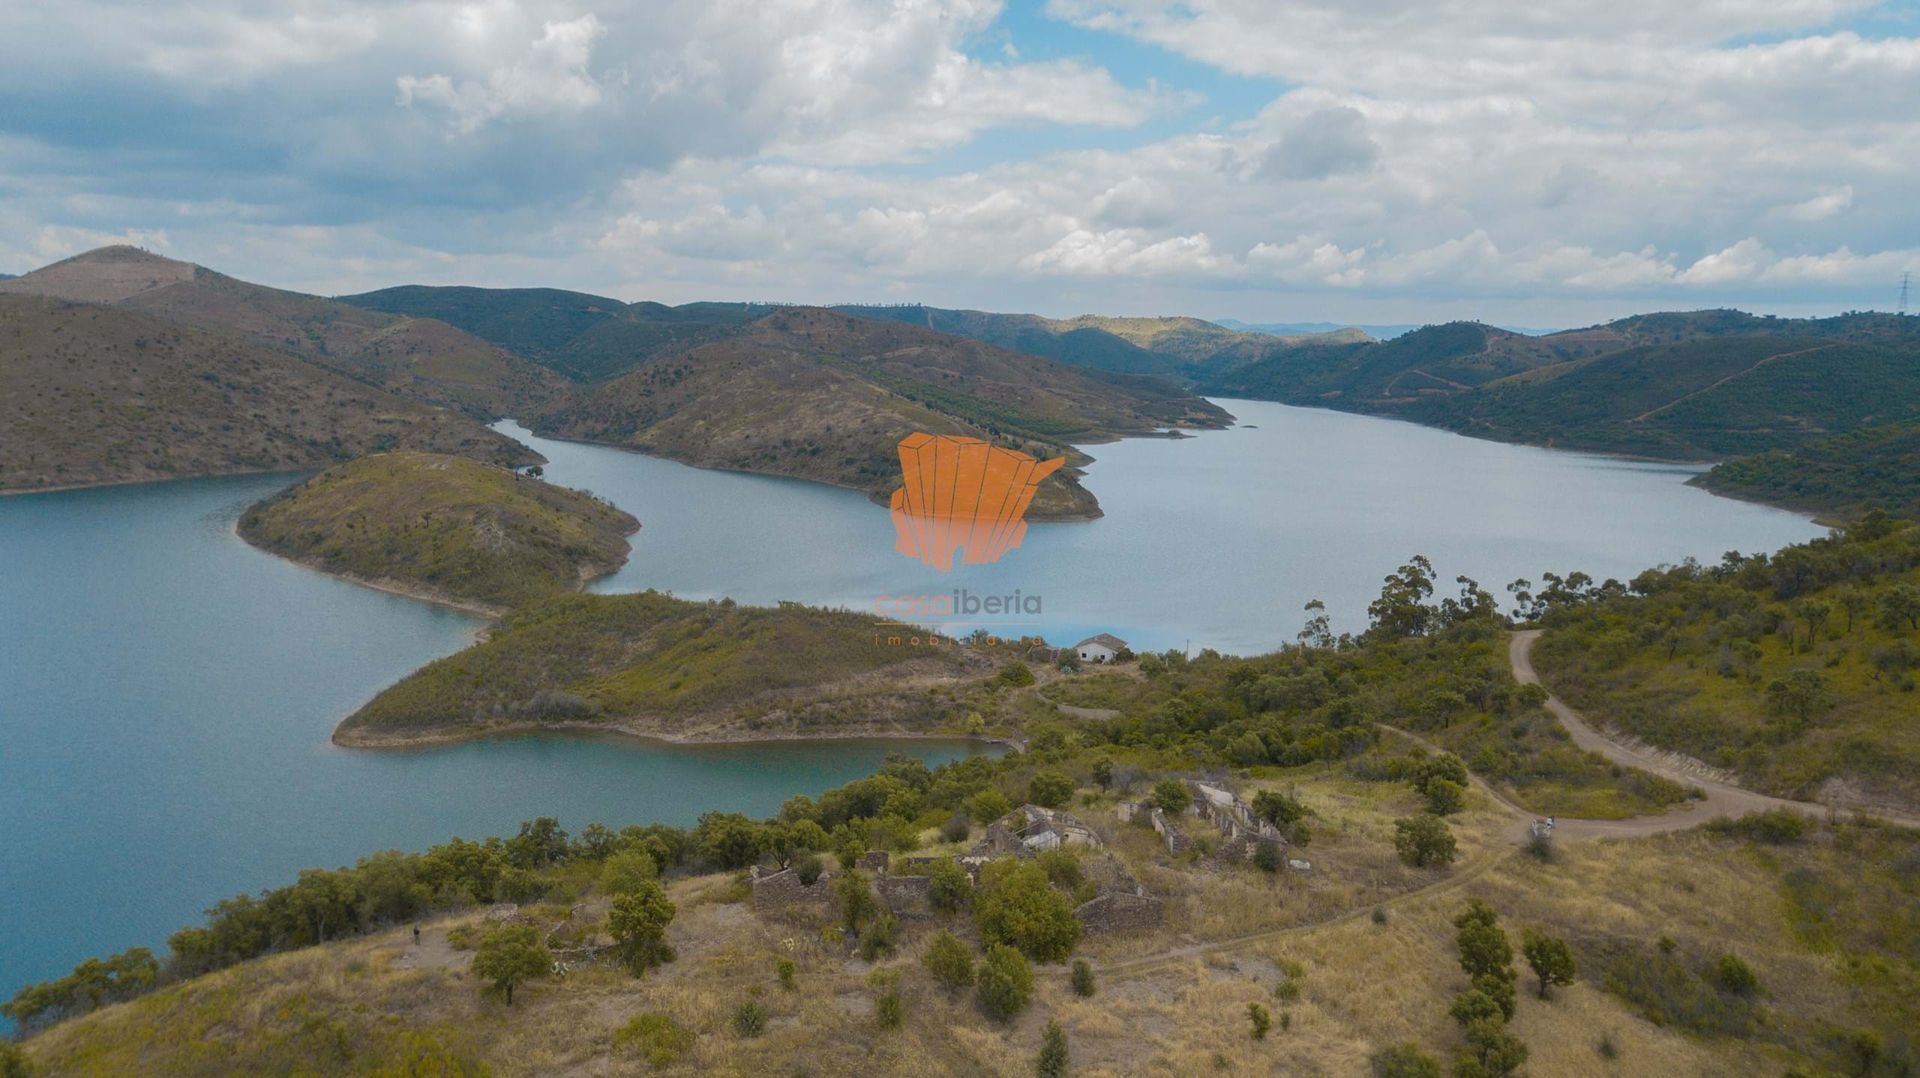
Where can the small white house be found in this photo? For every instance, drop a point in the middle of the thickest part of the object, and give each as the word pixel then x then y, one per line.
pixel 1099 649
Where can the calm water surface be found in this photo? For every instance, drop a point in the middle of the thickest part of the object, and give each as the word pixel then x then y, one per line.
pixel 166 691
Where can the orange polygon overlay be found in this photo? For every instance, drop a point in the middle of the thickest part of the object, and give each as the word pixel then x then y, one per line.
pixel 963 492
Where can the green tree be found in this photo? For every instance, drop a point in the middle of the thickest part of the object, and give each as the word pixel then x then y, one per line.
pixel 1492 1052
pixel 1102 772
pixel 1172 796
pixel 728 840
pixel 540 842
pixel 1083 985
pixel 988 805
pixel 1550 957
pixel 1016 674
pixel 1444 798
pixel 638 924
pixel 950 887
pixel 509 955
pixel 1004 982
pixel 1423 840
pixel 1049 789
pixel 1401 609
pixel 626 871
pixel 1017 906
pixel 1801 696
pixel 1899 605
pixel 1052 1060
pixel 948 960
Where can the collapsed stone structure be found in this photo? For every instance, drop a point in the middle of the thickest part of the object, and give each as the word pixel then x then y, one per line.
pixel 1242 833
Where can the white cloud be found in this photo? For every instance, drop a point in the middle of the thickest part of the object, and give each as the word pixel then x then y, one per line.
pixel 1821 206
pixel 551 75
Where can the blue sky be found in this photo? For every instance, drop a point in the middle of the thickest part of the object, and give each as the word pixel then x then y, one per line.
pixel 1548 162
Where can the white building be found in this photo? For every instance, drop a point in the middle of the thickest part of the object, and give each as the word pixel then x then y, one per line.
pixel 1099 649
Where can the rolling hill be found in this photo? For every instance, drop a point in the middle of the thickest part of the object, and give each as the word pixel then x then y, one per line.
pixel 1843 475
pixel 93 394
pixel 448 528
pixel 815 394
pixel 422 359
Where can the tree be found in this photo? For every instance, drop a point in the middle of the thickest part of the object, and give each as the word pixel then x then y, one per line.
pixel 1049 789
pixel 1016 674
pixel 1318 632
pixel 1102 772
pixel 857 904
pixel 1444 798
pixel 948 960
pixel 1801 696
pixel 638 924
pixel 1486 956
pixel 1900 603
pixel 540 842
pixel 1082 978
pixel 626 871
pixel 1052 1060
pixel 1493 1052
pixel 728 839
pixel 1017 906
pixel 1401 609
pixel 988 805
pixel 1005 982
pixel 950 888
pixel 1550 957
pixel 1172 796
pixel 1423 840
pixel 510 954
pixel 1262 1021
pixel 1473 1006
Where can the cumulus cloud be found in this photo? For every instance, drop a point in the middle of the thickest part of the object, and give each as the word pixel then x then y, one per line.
pixel 1326 142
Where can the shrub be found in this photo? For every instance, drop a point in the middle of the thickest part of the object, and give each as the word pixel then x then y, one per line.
pixel 878 937
pixel 655 1036
pixel 949 961
pixel 1262 1021
pixel 1082 978
pixel 1172 796
pixel 988 805
pixel 1102 772
pixel 1005 982
pixel 889 1009
pixel 1052 1060
pixel 1776 827
pixel 750 1019
pixel 1423 840
pixel 626 871
pixel 1016 674
pixel 1405 1061
pixel 956 829
pixel 510 954
pixel 785 969
pixel 950 887
pixel 1015 905
pixel 1445 797
pixel 13 1061
pixel 809 868
pixel 1267 857
pixel 1730 974
pixel 1049 789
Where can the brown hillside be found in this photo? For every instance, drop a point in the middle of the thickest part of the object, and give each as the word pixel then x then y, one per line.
pixel 92 394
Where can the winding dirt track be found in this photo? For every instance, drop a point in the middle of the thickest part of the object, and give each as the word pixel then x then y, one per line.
pixel 1722 799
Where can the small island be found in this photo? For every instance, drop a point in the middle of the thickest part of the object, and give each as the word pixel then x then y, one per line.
pixel 651 665
pixel 448 529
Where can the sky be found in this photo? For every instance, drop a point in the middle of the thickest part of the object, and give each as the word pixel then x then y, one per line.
pixel 1539 162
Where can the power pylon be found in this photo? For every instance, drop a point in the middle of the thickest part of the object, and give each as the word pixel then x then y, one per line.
pixel 1905 278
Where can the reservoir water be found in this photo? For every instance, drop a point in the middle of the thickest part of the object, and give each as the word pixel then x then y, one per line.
pixel 166 691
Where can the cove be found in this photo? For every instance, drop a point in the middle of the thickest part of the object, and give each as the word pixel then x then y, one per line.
pixel 166 696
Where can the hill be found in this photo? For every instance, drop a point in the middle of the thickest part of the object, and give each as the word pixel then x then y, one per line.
pixel 653 665
pixel 446 528
pixel 584 337
pixel 814 394
pixel 1876 467
pixel 93 394
pixel 421 359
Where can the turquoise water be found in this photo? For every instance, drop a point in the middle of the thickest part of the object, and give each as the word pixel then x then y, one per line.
pixel 166 695
pixel 166 691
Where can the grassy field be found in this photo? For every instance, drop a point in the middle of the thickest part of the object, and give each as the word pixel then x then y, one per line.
pixel 652 664
pixel 443 526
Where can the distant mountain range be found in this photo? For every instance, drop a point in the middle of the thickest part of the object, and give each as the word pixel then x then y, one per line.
pixel 823 394
pixel 1384 333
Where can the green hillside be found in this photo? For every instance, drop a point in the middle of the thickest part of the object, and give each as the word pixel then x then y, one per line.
pixel 1844 475
pixel 656 665
pixel 443 526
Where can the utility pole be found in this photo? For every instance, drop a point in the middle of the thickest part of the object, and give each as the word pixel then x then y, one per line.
pixel 1905 279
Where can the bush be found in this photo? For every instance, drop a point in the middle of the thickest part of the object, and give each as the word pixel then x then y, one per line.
pixel 750 1019
pixel 1405 1061
pixel 1172 796
pixel 950 888
pixel 13 1061
pixel 1005 982
pixel 1049 789
pixel 1445 797
pixel 949 961
pixel 1082 978
pixel 878 937
pixel 1052 1060
pixel 1016 674
pixel 956 829
pixel 809 868
pixel 988 805
pixel 1776 827
pixel 657 1037
pixel 785 970
pixel 889 1009
pixel 1423 840
pixel 1730 974
pixel 510 954
pixel 1016 905
pixel 626 871
pixel 1267 857
pixel 1262 1021
pixel 638 924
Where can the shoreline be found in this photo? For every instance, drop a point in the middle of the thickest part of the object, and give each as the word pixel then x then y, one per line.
pixel 440 738
pixel 11 492
pixel 391 587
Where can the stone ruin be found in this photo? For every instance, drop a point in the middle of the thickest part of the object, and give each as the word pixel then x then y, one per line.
pixel 1242 833
pixel 1029 829
pixel 781 889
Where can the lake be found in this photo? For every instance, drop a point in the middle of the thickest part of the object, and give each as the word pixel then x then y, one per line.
pixel 166 691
